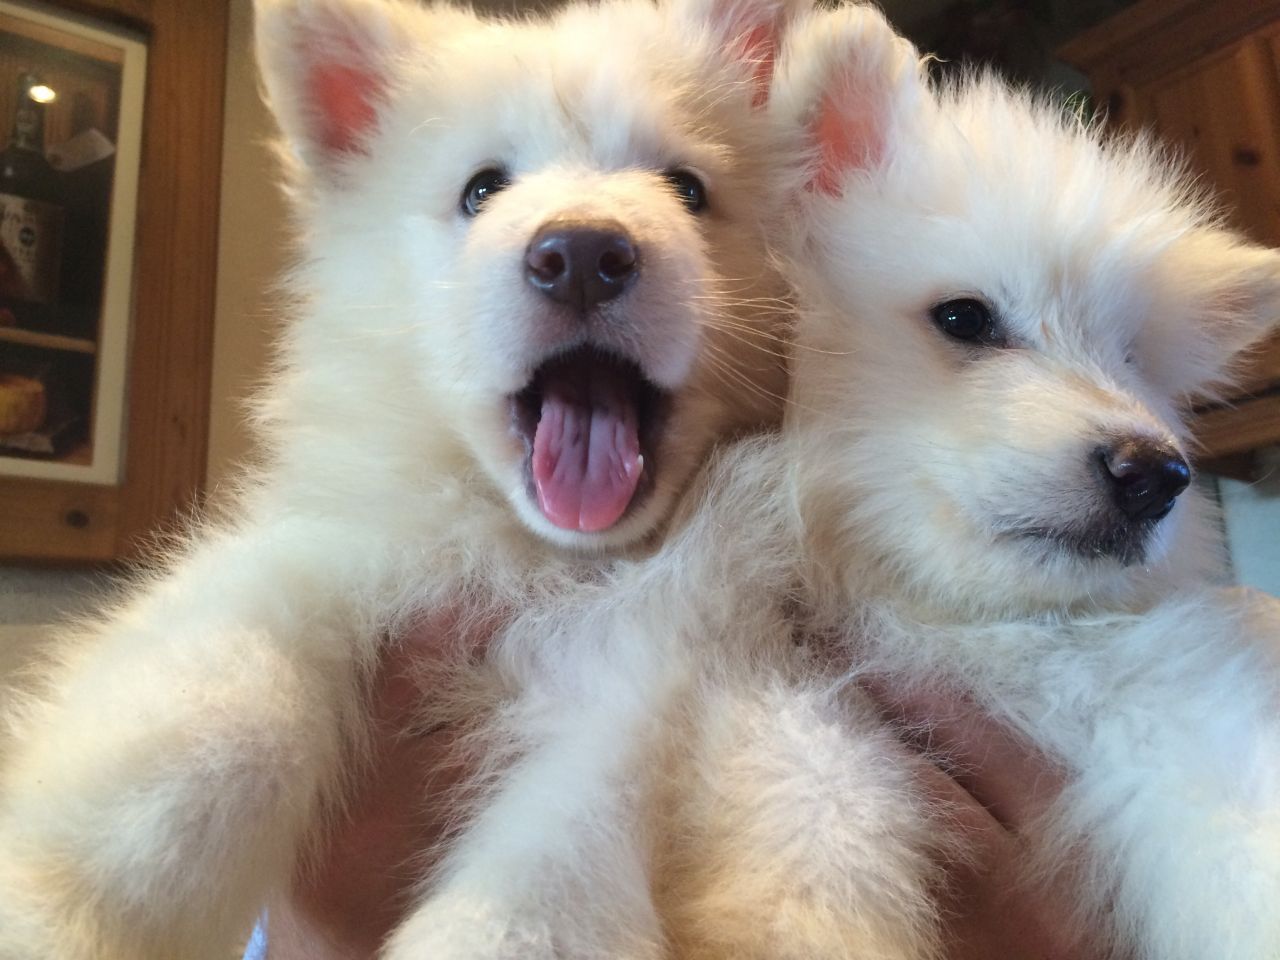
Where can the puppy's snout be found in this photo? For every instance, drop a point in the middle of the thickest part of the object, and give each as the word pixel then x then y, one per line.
pixel 1144 476
pixel 581 263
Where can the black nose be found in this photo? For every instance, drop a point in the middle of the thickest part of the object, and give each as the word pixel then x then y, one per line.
pixel 1145 476
pixel 581 263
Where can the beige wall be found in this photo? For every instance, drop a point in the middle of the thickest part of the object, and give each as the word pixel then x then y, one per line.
pixel 251 251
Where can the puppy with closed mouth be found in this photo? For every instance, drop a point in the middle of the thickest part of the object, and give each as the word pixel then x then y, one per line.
pixel 531 291
pixel 1006 319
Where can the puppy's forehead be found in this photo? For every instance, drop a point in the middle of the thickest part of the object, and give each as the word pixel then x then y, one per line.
pixel 1065 238
pixel 608 94
pixel 1092 211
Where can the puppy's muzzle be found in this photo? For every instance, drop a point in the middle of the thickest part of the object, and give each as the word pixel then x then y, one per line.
pixel 1144 476
pixel 581 263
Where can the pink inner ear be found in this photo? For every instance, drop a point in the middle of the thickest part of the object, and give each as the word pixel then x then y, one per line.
pixel 759 46
pixel 849 134
pixel 343 99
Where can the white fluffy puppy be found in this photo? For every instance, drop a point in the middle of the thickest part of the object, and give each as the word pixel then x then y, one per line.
pixel 531 292
pixel 1006 317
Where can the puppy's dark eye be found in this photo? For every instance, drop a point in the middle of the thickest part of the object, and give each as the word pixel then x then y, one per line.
pixel 481 187
pixel 968 320
pixel 689 189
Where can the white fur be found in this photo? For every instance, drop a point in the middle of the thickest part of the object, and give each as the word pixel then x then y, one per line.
pixel 921 466
pixel 168 775
pixel 667 770
pixel 728 791
pixel 896 516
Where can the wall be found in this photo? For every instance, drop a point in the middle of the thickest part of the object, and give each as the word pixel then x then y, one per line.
pixel 1253 527
pixel 252 251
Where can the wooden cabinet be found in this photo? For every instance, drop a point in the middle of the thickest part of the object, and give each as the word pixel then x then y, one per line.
pixel 171 331
pixel 1205 74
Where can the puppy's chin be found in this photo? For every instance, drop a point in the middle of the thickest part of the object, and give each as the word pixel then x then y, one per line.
pixel 638 523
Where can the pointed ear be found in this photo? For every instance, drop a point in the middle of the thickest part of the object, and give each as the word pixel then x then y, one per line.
pixel 1243 307
pixel 851 84
pixel 747 31
pixel 327 69
pixel 1236 305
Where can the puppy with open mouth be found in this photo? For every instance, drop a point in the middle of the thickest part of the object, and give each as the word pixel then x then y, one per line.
pixel 531 292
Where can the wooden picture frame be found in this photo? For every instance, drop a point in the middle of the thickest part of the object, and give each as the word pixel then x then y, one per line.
pixel 86 341
pixel 169 349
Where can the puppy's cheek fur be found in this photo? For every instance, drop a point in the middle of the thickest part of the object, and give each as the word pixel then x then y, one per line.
pixel 961 446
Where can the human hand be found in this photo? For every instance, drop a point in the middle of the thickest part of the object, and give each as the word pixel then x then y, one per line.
pixel 360 883
pixel 994 788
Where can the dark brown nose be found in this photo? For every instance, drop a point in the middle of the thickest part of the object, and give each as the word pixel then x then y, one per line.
pixel 581 263
pixel 1144 475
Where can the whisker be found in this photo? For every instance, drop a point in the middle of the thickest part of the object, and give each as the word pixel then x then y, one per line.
pixel 730 375
pixel 730 322
pixel 781 303
pixel 754 343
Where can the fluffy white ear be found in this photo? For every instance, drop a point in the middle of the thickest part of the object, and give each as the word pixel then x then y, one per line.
pixel 851 83
pixel 1234 295
pixel 327 68
pixel 748 31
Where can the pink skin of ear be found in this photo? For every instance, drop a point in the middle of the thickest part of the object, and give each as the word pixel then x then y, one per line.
pixel 759 46
pixel 342 99
pixel 849 136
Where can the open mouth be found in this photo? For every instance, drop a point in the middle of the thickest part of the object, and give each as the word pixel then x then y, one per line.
pixel 590 421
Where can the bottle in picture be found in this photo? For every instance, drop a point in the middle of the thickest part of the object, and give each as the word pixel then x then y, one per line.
pixel 86 164
pixel 31 214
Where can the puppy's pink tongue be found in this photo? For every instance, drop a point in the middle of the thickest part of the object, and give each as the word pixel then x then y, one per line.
pixel 586 454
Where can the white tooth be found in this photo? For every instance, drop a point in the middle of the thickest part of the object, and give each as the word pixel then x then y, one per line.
pixel 636 465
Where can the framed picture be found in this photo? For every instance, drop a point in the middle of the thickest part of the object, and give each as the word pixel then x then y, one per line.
pixel 139 460
pixel 71 110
